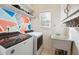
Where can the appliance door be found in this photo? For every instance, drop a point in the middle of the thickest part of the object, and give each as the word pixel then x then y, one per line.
pixel 39 42
pixel 23 48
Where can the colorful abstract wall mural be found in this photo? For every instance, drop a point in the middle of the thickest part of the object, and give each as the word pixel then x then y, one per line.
pixel 11 21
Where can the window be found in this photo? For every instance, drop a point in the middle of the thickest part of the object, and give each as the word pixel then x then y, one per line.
pixel 45 19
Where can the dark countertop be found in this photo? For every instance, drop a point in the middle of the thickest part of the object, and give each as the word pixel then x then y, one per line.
pixel 29 31
pixel 8 34
pixel 12 38
pixel 11 34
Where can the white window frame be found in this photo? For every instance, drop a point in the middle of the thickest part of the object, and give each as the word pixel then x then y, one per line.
pixel 45 17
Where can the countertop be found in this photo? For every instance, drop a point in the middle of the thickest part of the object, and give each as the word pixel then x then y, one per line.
pixel 65 39
pixel 13 39
pixel 8 34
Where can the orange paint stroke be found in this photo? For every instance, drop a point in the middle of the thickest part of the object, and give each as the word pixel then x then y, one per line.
pixel 4 23
pixel 1 29
pixel 25 19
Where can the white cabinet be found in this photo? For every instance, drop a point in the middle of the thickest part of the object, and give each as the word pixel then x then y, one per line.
pixel 73 8
pixel 23 48
pixel 62 44
pixel 72 20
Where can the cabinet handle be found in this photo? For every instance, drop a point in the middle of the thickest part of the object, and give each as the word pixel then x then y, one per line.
pixel 12 51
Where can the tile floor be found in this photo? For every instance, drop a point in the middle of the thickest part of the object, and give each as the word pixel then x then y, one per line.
pixel 47 52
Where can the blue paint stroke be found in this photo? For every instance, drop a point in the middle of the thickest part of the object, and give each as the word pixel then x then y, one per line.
pixel 7 10
pixel 29 26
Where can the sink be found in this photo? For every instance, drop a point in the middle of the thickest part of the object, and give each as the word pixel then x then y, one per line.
pixel 57 36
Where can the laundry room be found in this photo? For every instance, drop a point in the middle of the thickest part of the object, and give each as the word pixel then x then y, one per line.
pixel 39 29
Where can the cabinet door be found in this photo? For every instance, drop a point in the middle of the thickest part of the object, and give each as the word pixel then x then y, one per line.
pixel 62 45
pixel 73 8
pixel 23 48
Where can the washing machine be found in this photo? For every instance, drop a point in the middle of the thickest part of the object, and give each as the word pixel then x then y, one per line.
pixel 37 42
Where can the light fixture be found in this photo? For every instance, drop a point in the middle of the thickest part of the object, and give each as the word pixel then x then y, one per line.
pixel 67 9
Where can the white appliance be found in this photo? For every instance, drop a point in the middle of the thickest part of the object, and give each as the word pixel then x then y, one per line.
pixel 23 48
pixel 37 42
